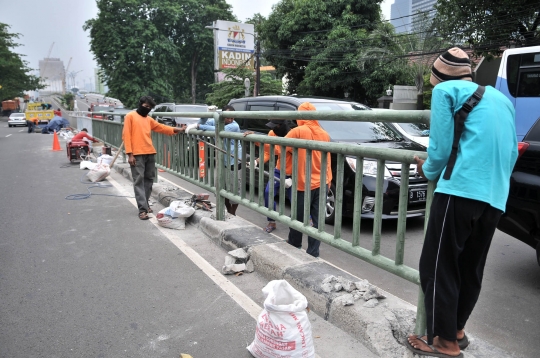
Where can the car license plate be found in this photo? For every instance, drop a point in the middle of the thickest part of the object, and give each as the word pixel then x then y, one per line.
pixel 417 195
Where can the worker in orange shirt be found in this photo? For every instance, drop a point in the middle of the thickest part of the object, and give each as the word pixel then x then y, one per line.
pixel 310 130
pixel 141 153
pixel 32 123
pixel 279 129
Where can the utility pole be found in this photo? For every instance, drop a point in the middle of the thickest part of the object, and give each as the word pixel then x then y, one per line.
pixel 257 90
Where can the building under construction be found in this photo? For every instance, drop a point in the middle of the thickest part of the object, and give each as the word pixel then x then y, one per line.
pixel 52 73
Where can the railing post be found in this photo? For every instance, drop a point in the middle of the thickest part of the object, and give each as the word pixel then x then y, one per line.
pixel 220 182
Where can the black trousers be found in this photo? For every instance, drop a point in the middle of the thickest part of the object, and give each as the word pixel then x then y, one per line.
pixel 457 242
pixel 295 237
pixel 143 174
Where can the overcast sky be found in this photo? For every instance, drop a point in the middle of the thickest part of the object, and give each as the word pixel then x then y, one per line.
pixel 42 22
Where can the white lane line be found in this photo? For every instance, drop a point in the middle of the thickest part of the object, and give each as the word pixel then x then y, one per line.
pixel 21 130
pixel 8 135
pixel 252 308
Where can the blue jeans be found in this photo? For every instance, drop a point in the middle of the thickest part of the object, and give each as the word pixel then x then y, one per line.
pixel 276 190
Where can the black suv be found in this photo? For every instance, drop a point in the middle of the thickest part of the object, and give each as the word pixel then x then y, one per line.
pixel 522 217
pixel 370 134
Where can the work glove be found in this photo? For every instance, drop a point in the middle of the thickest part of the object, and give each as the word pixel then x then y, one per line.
pixel 255 164
pixel 288 183
pixel 191 127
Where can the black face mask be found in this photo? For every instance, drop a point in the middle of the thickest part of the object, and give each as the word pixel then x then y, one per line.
pixel 281 130
pixel 143 111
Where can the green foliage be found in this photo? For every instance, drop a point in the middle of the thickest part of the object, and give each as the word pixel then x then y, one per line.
pixel 233 86
pixel 14 77
pixel 326 48
pixel 488 25
pixel 156 47
pixel 67 100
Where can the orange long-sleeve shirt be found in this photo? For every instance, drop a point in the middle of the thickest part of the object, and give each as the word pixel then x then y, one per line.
pixel 136 133
pixel 277 151
pixel 311 130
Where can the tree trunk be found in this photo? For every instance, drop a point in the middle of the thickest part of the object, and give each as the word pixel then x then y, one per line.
pixel 194 66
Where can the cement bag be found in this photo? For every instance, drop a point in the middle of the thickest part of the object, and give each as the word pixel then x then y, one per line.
pixel 98 173
pixel 283 328
pixel 105 159
pixel 86 164
pixel 170 222
pixel 178 209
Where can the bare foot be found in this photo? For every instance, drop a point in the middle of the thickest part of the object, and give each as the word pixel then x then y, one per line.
pixel 440 344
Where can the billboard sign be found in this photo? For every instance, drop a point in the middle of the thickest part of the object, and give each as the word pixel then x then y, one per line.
pixel 234 44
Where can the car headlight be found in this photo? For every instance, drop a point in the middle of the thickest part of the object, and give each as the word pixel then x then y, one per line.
pixel 370 167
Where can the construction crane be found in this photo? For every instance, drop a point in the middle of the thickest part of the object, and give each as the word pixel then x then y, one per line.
pixel 42 75
pixel 64 76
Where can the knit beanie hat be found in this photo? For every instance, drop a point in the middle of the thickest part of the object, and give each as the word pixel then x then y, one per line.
pixel 454 64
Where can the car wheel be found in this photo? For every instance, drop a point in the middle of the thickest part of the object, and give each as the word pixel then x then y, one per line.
pixel 330 209
pixel 9 125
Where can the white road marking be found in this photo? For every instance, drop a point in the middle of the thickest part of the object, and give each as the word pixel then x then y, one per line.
pixel 21 130
pixel 252 308
pixel 8 135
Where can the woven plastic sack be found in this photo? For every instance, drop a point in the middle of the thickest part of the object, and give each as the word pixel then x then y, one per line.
pixel 178 209
pixel 283 327
pixel 105 159
pixel 170 222
pixel 98 173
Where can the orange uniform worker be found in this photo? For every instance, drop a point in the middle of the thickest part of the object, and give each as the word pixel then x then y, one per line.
pixel 141 153
pixel 32 123
pixel 310 130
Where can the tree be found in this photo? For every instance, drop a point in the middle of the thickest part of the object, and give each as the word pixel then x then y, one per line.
pixel 320 46
pixel 233 86
pixel 488 25
pixel 14 72
pixel 156 47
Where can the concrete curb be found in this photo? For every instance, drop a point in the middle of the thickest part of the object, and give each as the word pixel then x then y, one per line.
pixel 383 329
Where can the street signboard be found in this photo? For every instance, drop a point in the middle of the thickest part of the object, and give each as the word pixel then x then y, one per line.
pixel 234 45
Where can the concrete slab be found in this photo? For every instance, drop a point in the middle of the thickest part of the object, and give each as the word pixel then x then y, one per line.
pixel 246 237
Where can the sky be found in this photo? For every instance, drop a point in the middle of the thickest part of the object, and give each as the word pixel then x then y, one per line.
pixel 44 22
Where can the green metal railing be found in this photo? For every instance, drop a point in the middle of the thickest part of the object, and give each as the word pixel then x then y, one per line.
pixel 179 155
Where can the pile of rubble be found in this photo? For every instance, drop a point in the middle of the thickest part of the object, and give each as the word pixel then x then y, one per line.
pixel 237 262
pixel 355 290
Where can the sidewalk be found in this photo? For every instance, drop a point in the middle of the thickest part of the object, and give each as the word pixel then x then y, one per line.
pixel 382 327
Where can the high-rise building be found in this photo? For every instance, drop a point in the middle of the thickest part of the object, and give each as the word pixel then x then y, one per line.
pixel 400 15
pixel 404 13
pixel 98 80
pixel 52 73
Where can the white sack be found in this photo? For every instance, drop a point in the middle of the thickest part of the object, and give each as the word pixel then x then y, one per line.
pixel 98 173
pixel 283 328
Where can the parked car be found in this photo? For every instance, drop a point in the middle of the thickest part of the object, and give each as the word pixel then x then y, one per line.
pixel 416 132
pixel 17 119
pixel 378 135
pixel 171 107
pixel 522 217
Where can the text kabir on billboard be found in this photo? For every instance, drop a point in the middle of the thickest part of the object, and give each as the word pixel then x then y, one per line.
pixel 235 44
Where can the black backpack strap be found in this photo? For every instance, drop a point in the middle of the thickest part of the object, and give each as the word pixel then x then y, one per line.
pixel 459 124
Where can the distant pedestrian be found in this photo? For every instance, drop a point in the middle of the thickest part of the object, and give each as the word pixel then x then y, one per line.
pixel 31 123
pixel 141 152
pixel 309 130
pixel 475 168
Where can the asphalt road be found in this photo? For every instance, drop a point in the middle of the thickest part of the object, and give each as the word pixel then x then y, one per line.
pixel 507 312
pixel 86 278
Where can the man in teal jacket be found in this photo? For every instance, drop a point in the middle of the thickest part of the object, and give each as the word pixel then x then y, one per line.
pixel 467 206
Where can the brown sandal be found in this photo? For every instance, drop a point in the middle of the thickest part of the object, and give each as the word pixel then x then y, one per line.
pixel 143 216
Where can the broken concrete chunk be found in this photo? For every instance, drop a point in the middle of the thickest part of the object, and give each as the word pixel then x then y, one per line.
pixel 327 287
pixel 372 293
pixel 371 303
pixel 357 295
pixel 348 285
pixel 338 287
pixel 346 299
pixel 239 254
pixel 362 285
pixel 231 269
pixel 330 279
pixel 249 266
pixel 229 260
